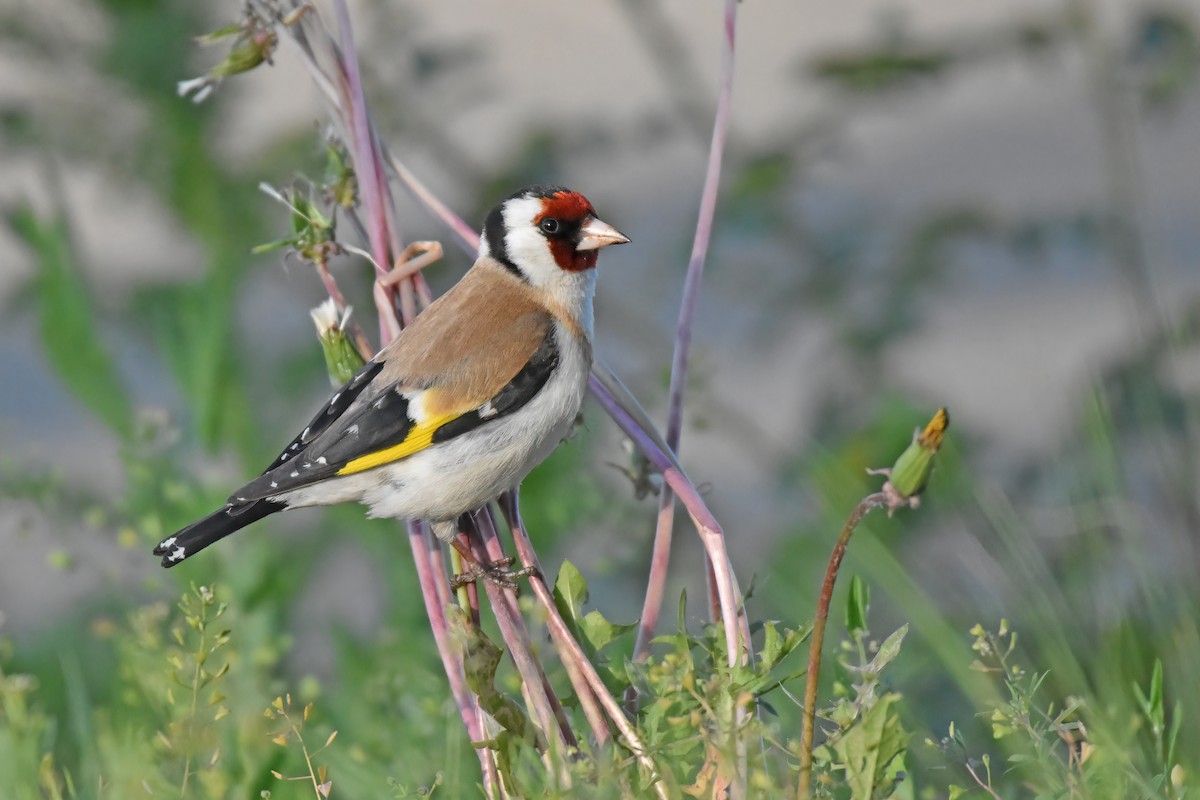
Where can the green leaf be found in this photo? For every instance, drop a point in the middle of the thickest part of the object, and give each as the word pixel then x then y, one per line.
pixel 68 329
pixel 599 632
pixel 233 29
pixel 777 647
pixel 1151 701
pixel 857 604
pixel 1156 693
pixel 570 593
pixel 888 650
pixel 772 648
pixel 881 70
pixel 869 751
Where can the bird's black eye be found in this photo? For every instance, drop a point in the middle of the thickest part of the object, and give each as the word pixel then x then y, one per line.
pixel 550 225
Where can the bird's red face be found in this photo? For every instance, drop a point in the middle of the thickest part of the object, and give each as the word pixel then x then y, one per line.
pixel 563 216
pixel 544 231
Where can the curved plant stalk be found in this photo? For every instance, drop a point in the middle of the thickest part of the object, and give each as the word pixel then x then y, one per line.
pixel 613 394
pixel 906 479
pixel 661 554
pixel 817 640
pixel 626 411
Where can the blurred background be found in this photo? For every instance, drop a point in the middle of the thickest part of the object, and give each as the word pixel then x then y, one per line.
pixel 991 207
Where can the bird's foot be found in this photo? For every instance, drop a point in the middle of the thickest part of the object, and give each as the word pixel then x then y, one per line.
pixel 496 572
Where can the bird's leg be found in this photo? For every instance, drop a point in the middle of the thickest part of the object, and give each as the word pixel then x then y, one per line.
pixel 496 572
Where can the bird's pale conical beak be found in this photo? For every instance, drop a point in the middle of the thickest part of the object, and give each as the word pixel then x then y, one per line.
pixel 596 234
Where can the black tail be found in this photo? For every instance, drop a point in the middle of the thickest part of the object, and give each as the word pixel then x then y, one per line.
pixel 213 528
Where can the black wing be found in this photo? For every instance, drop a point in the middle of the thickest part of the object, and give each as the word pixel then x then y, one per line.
pixel 385 423
pixel 329 414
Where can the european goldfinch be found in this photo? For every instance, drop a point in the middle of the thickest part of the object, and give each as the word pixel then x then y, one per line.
pixel 465 401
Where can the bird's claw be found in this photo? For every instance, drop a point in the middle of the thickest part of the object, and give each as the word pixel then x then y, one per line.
pixel 496 572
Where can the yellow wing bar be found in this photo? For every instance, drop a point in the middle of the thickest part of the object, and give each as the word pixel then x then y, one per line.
pixel 419 437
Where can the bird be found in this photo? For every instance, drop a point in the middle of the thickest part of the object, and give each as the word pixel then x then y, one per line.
pixel 464 402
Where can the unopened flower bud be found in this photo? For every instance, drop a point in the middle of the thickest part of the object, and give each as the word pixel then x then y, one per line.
pixel 908 476
pixel 342 359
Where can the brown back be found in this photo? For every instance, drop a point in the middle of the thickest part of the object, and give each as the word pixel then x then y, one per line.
pixel 470 342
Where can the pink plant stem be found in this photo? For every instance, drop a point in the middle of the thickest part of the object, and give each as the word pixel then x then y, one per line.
pixel 362 139
pixel 375 192
pixel 707 526
pixel 491 776
pixel 510 507
pixel 512 627
pixel 383 234
pixel 683 337
pixel 485 523
pixel 560 632
pixel 467 236
pixel 468 708
pixel 439 564
pixel 331 287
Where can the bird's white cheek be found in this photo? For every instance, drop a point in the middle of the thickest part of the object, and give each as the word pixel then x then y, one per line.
pixel 530 251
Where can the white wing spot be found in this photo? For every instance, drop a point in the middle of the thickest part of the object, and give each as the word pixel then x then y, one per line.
pixel 486 410
pixel 334 399
pixel 295 474
pixel 304 434
pixel 352 430
pixel 321 460
pixel 295 446
pixel 284 457
pixel 274 485
pixel 166 543
pixel 178 555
